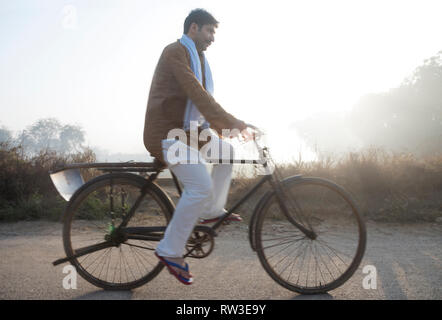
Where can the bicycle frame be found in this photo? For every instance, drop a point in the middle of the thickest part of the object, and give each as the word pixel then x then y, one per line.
pixel 271 178
pixel 244 198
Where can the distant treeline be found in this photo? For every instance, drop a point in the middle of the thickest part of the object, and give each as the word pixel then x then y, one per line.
pixel 407 118
pixel 46 134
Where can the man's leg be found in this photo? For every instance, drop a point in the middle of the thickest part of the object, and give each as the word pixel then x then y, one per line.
pixel 197 192
pixel 193 202
pixel 221 177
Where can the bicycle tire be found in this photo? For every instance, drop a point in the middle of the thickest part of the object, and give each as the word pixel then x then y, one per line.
pixel 324 220
pixel 76 219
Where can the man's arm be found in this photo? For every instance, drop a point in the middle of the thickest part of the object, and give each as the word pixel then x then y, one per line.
pixel 204 101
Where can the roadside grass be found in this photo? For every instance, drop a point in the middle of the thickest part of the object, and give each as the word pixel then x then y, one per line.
pixel 387 186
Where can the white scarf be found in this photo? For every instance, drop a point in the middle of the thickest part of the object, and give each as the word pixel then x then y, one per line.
pixel 192 113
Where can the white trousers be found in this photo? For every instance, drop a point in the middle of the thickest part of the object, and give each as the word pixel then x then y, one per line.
pixel 204 194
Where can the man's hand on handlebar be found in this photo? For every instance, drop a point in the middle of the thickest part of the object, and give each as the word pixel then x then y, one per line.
pixel 246 135
pixel 250 133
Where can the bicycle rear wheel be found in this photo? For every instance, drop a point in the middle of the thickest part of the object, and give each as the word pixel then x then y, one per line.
pixel 93 216
pixel 295 261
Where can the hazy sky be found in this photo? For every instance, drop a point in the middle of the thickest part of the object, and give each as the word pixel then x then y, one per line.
pixel 273 62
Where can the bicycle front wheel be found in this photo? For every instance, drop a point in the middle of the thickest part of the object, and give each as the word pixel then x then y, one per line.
pixel 296 261
pixel 92 219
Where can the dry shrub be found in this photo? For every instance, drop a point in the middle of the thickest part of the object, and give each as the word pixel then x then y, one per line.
pixel 26 190
pixel 387 186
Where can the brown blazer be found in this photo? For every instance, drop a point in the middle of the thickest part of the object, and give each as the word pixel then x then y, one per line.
pixel 173 83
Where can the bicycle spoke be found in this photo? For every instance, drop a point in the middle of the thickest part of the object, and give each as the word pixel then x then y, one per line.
pixel 332 249
pixel 308 268
pixel 127 264
pixel 285 257
pixel 320 256
pixel 142 257
pixel 293 262
pixel 107 259
pixel 299 274
pixel 136 260
pixel 285 237
pixel 333 261
pixel 278 244
pixel 142 247
pixel 108 264
pixel 318 266
pixel 293 265
pixel 97 259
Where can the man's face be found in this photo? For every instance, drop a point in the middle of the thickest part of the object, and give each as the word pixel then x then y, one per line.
pixel 204 36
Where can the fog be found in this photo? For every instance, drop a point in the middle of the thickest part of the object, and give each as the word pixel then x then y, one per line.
pixel 407 118
pixel 320 77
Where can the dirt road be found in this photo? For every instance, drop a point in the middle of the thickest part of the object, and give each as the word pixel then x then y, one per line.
pixel 408 262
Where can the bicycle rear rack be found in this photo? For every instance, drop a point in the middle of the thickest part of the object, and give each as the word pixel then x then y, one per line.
pixel 68 179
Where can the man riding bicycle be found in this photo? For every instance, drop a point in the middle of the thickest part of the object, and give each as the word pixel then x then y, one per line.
pixel 181 98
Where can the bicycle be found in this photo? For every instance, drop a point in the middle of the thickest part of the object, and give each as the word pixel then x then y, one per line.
pixel 306 231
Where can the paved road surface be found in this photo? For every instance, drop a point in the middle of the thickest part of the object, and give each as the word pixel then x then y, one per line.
pixel 408 260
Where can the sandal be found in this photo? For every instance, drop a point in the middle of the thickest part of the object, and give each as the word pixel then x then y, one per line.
pixel 170 265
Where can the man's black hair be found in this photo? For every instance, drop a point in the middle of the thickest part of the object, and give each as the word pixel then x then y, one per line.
pixel 201 17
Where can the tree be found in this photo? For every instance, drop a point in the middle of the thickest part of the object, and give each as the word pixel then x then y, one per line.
pixel 5 134
pixel 408 117
pixel 71 138
pixel 50 134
